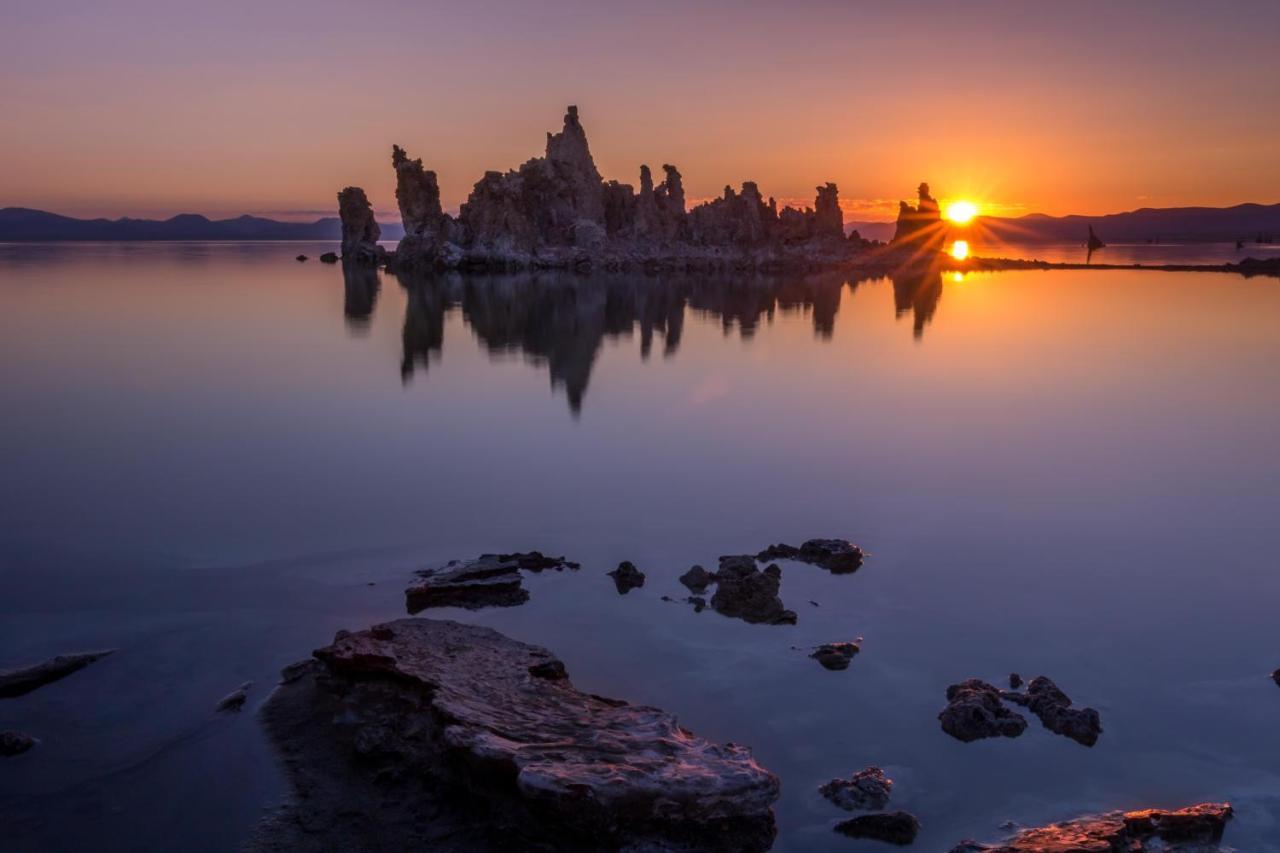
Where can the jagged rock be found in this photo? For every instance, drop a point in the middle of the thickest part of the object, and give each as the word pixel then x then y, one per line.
pixel 329 258
pixel 835 655
pixel 919 226
pixel 15 743
pixel 866 790
pixel 1133 832
pixel 898 828
pixel 489 581
pixel 745 592
pixel 498 723
pixel 1053 707
pixel 16 682
pixel 837 556
pixel 974 711
pixel 234 700
pixel 360 231
pixel 626 577
pixel 697 579
pixel 828 220
pixel 417 195
pixel 1015 680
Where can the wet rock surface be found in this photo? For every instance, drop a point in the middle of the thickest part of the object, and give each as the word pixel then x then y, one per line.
pixel 16 682
pixel 1189 828
pixel 745 592
pixel 898 828
pixel 974 711
pixel 837 556
pixel 627 577
pixel 422 734
pixel 866 790
pixel 835 655
pixel 15 743
pixel 488 581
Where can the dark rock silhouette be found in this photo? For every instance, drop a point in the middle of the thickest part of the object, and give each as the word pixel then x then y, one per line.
pixel 835 656
pixel 360 231
pixel 360 293
pixel 556 211
pixel 868 790
pixel 920 226
pixel 898 828
pixel 974 711
pixel 1044 699
pixel 1187 829
pixel 15 743
pixel 16 682
pixel 697 579
pixel 454 737
pixel 627 577
pixel 746 593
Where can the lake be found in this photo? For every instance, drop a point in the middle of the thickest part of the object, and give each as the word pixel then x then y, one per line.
pixel 214 457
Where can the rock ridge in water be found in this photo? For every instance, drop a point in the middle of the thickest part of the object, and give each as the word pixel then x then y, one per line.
pixel 16 682
pixel 1190 829
pixel 474 712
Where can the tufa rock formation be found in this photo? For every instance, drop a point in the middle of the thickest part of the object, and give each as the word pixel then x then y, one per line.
pixel 360 232
pixel 920 226
pixel 1190 829
pixel 556 211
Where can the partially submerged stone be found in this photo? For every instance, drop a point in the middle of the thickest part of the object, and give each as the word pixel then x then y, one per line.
pixel 234 700
pixel 866 790
pixel 974 711
pixel 329 258
pixel 1053 707
pixel 745 592
pixel 835 655
pixel 838 556
pixel 498 723
pixel 1133 832
pixel 697 579
pixel 15 743
pixel 536 561
pixel 626 577
pixel 16 682
pixel 488 581
pixel 898 828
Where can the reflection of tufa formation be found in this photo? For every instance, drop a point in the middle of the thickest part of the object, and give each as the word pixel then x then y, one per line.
pixel 557 211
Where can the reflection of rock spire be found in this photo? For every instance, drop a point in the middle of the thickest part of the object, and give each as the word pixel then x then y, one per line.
pixel 917 288
pixel 360 285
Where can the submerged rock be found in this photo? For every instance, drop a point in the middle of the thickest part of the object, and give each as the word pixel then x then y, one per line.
pixel 16 682
pixel 234 700
pixel 536 561
pixel 1053 707
pixel 1133 832
pixel 15 743
pixel 329 258
pixel 866 790
pixel 697 579
pixel 745 592
pixel 699 603
pixel 627 577
pixel 838 556
pixel 974 711
pixel 435 731
pixel 300 258
pixel 488 581
pixel 835 655
pixel 898 828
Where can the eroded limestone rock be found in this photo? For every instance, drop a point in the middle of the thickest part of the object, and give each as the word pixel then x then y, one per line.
pixel 835 656
pixel 360 231
pixel 1153 830
pixel 919 226
pixel 697 579
pixel 866 790
pixel 838 556
pixel 974 711
pixel 745 592
pixel 1053 707
pixel 627 577
pixel 493 721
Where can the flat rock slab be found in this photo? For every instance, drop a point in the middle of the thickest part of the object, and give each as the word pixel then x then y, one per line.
pixel 16 682
pixel 484 713
pixel 488 581
pixel 1189 828
pixel 838 556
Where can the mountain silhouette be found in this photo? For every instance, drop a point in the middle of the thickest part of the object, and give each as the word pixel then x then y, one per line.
pixel 21 224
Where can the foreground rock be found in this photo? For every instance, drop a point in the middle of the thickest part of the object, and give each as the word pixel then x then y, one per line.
pixel 626 577
pixel 974 711
pixel 425 734
pixel 16 682
pixel 745 592
pixel 866 790
pixel 1053 707
pixel 835 656
pixel 837 556
pixel 488 581
pixel 898 828
pixel 1146 830
pixel 15 743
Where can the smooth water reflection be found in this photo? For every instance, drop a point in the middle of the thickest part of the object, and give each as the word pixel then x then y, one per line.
pixel 211 452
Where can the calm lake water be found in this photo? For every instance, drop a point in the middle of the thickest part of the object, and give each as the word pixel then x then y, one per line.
pixel 214 457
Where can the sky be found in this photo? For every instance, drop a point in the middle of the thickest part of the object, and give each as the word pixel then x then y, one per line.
pixel 141 108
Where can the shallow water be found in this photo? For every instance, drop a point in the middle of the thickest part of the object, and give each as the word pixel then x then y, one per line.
pixel 1150 254
pixel 211 452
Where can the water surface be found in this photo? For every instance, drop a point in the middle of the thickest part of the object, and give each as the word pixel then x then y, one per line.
pixel 214 457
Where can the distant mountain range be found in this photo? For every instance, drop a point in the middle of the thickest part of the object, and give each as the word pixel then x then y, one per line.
pixel 21 224
pixel 1160 224
pixel 1167 224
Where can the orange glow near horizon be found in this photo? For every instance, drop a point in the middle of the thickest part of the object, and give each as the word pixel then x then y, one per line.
pixel 962 212
pixel 960 249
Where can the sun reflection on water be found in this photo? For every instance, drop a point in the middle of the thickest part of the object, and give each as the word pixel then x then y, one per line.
pixel 960 249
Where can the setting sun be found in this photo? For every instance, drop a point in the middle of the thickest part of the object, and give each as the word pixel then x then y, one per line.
pixel 961 212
